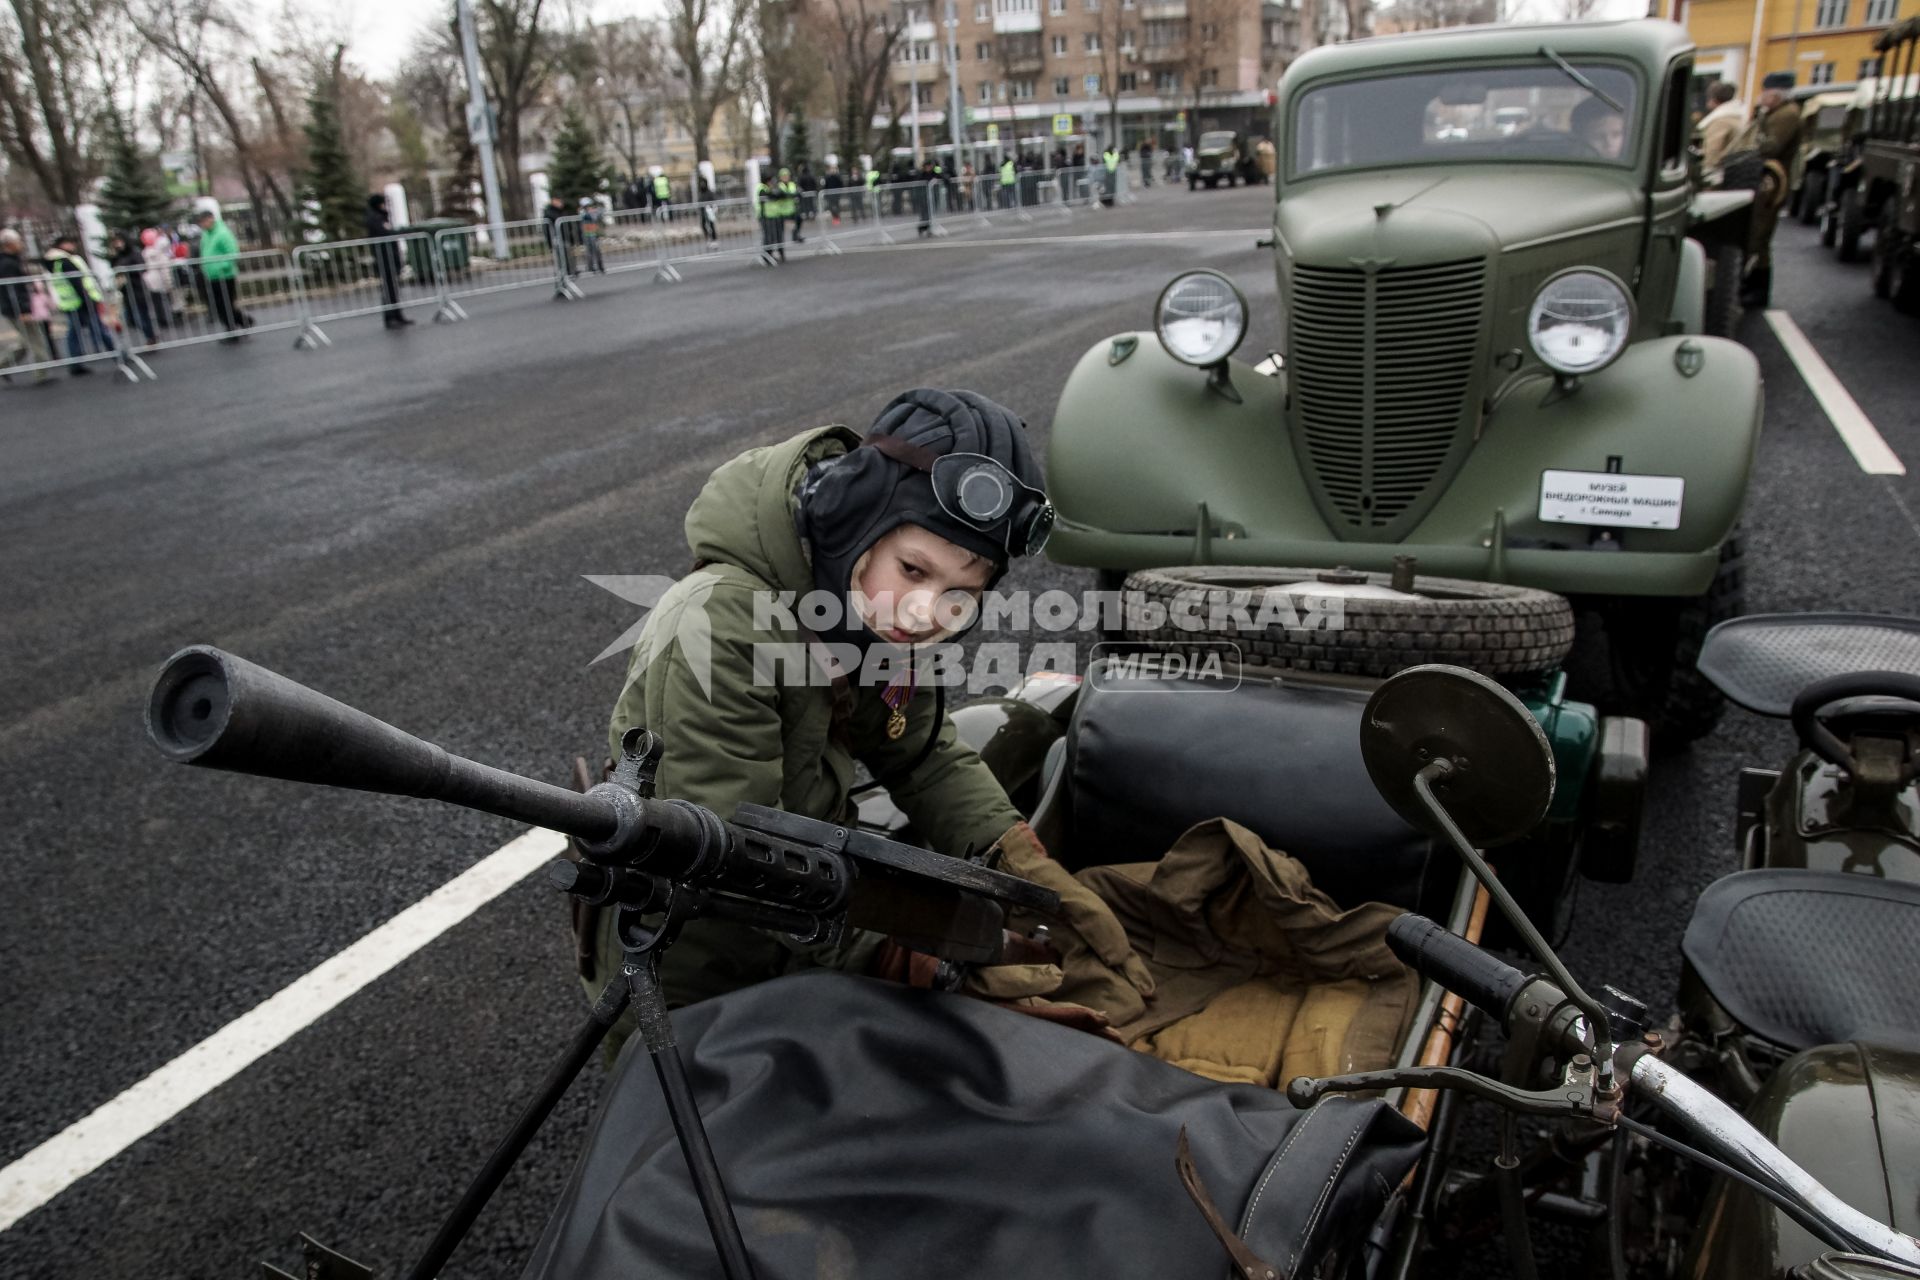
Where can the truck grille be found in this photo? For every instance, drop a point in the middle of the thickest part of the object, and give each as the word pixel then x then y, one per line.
pixel 1381 369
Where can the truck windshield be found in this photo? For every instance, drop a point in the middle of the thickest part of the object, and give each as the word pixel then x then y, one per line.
pixel 1464 115
pixel 1215 141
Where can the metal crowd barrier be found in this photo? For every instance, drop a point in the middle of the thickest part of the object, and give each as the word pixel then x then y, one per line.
pixel 343 279
pixel 42 346
pixel 470 265
pixel 185 308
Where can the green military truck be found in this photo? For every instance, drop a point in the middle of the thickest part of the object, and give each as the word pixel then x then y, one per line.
pixel 1500 351
pixel 1889 177
pixel 1220 157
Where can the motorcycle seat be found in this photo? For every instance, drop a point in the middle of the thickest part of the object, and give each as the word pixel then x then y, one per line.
pixel 1148 757
pixel 1804 958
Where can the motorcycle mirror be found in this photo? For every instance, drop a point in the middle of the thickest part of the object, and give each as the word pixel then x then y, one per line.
pixel 1501 775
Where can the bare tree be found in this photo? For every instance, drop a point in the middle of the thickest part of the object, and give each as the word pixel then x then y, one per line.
pixel 201 39
pixel 517 56
pixel 1115 60
pixel 619 69
pixel 704 43
pixel 1431 15
pixel 48 101
pixel 783 67
pixel 432 84
pixel 860 39
pixel 1206 40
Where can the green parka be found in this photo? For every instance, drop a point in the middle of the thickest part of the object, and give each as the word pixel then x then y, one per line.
pixel 746 739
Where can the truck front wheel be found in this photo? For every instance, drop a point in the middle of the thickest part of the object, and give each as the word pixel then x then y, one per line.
pixel 1851 223
pixel 1652 651
pixel 1722 312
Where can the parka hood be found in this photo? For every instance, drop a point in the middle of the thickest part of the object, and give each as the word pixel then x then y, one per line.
pixel 744 513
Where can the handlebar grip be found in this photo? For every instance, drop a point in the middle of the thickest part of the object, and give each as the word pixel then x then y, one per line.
pixel 1486 981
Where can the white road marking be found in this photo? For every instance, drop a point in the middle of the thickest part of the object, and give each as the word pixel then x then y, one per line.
pixel 85 1145
pixel 1856 432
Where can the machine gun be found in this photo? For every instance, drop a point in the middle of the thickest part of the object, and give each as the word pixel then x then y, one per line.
pixel 659 863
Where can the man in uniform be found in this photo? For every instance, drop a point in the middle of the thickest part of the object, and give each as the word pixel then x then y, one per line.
pixel 1725 120
pixel 662 195
pixel 778 201
pixel 1775 132
pixel 1008 176
pixel 1111 159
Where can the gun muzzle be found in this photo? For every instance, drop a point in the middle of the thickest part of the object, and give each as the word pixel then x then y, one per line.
pixel 211 709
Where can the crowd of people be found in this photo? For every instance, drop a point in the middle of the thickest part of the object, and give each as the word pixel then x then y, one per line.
pixel 56 303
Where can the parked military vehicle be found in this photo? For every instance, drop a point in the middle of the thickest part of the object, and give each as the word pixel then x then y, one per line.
pixel 1880 111
pixel 1220 157
pixel 1890 172
pixel 1501 354
pixel 1824 110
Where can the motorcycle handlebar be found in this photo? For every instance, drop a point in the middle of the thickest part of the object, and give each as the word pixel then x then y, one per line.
pixel 1483 979
pixel 212 709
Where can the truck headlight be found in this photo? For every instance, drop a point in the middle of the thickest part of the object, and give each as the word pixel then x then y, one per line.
pixel 1580 321
pixel 1200 318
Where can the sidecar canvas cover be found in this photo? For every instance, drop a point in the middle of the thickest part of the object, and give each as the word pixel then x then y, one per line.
pixel 869 1130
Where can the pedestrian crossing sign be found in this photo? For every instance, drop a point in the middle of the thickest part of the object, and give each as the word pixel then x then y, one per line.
pixel 1062 126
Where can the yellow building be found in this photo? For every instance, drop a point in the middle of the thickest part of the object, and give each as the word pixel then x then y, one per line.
pixel 1820 41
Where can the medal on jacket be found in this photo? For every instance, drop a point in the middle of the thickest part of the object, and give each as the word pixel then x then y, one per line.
pixel 896 695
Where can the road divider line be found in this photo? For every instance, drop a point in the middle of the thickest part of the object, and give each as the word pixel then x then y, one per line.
pixel 86 1144
pixel 1856 430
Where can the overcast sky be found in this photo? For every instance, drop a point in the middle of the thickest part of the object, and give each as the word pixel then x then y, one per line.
pixel 382 30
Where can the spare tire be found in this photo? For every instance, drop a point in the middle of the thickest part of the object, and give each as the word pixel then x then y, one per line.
pixel 1348 623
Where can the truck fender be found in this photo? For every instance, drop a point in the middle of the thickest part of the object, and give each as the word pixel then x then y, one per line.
pixel 1689 312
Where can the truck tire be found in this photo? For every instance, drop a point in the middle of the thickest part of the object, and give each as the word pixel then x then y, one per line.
pixel 1722 313
pixel 1852 217
pixel 1490 627
pixel 1193 183
pixel 1903 276
pixel 1886 247
pixel 1813 194
pixel 1830 223
pixel 1653 653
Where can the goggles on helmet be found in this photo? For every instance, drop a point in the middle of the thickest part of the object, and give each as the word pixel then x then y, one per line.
pixel 978 491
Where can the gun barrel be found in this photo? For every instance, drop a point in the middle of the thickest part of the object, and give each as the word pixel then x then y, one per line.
pixel 212 709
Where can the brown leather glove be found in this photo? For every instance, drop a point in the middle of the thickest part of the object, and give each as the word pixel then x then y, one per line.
pixel 1081 910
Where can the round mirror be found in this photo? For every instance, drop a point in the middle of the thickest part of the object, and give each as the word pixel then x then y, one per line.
pixel 1501 780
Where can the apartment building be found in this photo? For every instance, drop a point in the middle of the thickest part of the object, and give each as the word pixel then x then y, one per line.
pixel 1820 41
pixel 1161 69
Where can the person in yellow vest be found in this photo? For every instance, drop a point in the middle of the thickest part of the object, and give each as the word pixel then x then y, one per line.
pixel 78 307
pixel 1111 159
pixel 1008 176
pixel 871 202
pixel 777 201
pixel 662 196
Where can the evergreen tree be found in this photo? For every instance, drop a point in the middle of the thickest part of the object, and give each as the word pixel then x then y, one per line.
pixel 799 141
pixel 331 186
pixel 576 168
pixel 133 196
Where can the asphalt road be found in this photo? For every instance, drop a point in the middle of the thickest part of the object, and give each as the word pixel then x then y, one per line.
pixel 403 521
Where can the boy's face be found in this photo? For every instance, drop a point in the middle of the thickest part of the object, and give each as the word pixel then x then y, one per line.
pixel 913 586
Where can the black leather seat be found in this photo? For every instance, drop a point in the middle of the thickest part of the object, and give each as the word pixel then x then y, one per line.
pixel 1148 758
pixel 1804 958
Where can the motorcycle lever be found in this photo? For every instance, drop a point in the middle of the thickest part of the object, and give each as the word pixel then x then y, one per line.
pixel 1572 1099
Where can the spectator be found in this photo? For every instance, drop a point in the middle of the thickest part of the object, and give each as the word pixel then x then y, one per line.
pixel 1724 122
pixel 809 199
pixel 591 226
pixel 831 184
pixel 17 296
pixel 1775 133
pixel 1146 162
pixel 386 259
pixel 136 305
pixel 80 306
pixel 158 255
pixel 556 236
pixel 662 195
pixel 775 201
pixel 923 198
pixel 219 268
pixel 709 213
